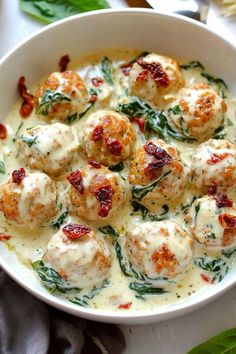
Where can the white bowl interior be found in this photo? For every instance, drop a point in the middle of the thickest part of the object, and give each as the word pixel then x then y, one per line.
pixel 79 35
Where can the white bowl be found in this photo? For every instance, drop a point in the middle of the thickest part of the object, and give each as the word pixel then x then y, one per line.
pixel 135 28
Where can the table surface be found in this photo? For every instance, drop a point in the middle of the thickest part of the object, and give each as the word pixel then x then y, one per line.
pixel 175 336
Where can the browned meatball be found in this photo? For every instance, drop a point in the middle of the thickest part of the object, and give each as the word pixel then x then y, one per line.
pixel 108 137
pixel 61 96
pixel 29 202
pixel 95 193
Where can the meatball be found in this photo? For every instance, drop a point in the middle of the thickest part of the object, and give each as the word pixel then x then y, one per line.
pixel 156 78
pixel 197 111
pixel 108 136
pixel 214 161
pixel 95 193
pixel 212 221
pixel 28 199
pixel 159 249
pixel 155 161
pixel 48 148
pixel 62 95
pixel 83 262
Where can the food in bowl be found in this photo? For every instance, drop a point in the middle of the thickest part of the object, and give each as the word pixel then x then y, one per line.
pixel 116 188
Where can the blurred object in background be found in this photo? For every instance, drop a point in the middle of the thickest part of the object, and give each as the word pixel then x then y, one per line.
pixel 196 9
pixel 229 7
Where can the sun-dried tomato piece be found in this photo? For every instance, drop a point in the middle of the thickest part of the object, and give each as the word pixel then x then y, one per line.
pixel 140 122
pixel 4 237
pixel 63 62
pixel 3 131
pixel 104 197
pixel 92 99
pixel 205 278
pixel 28 99
pixel 160 157
pixel 97 81
pixel 18 175
pixel 155 70
pixel 74 231
pixel 227 221
pixel 126 68
pixel 125 306
pixel 223 201
pixel 212 189
pixel 216 158
pixel 143 75
pixel 97 133
pixel 76 180
pixel 94 163
pixel 114 146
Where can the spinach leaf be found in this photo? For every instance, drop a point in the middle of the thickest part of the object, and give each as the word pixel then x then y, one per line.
pixel 29 140
pixel 60 220
pixel 48 99
pixel 214 80
pixel 77 116
pixel 52 10
pixel 139 192
pixel 125 265
pixel 109 230
pixel 218 266
pixel 175 110
pixel 145 289
pixel 177 136
pixel 185 207
pixel 229 122
pixel 211 236
pixel 155 120
pixel 139 207
pixel 17 132
pixel 2 167
pixel 84 300
pixel 145 211
pixel 223 343
pixel 197 208
pixel 51 279
pixel 117 168
pixel 192 65
pixel 228 252
pixel 106 67
pixel 219 132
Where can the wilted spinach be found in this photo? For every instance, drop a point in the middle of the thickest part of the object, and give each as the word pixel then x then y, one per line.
pixel 106 67
pixel 84 300
pixel 51 279
pixel 48 99
pixel 60 220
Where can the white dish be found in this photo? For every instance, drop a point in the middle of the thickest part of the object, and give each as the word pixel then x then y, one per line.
pixel 143 29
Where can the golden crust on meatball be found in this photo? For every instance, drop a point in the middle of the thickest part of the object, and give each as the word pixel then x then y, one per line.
pixel 212 221
pixel 108 137
pixel 61 96
pixel 95 193
pixel 158 160
pixel 29 202
pixel 159 249
pixel 83 261
pixel 214 161
pixel 156 78
pixel 49 148
pixel 197 112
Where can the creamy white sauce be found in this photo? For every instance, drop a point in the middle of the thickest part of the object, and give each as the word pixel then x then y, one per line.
pixel 30 246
